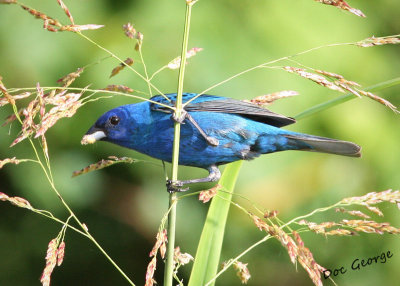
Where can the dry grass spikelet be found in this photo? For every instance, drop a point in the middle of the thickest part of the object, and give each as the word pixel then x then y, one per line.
pixel 51 261
pixel 160 244
pixel 369 226
pixel 181 258
pixel 132 33
pixel 262 225
pixel 28 125
pixel 65 109
pixel 271 214
pixel 151 268
pixel 12 160
pixel 341 4
pixel 39 15
pixel 103 164
pixel 17 201
pixel 66 10
pixel 8 1
pixel 379 99
pixel 242 271
pixel 70 78
pixel 206 195
pixel 5 93
pixel 337 82
pixel 60 253
pixel 79 28
pixel 12 98
pixel 176 63
pixel 355 213
pixel 306 259
pixel 121 66
pixel 268 99
pixel 375 198
pixel 318 79
pixel 119 88
pixel 372 41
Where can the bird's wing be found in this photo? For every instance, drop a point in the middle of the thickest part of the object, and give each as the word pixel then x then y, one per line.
pixel 249 110
pixel 245 109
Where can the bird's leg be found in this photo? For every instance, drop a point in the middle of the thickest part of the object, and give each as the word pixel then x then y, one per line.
pixel 175 186
pixel 210 140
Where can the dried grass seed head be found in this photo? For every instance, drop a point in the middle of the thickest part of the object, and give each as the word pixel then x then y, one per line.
pixel 242 271
pixel 176 63
pixel 372 41
pixel 341 4
pixel 151 268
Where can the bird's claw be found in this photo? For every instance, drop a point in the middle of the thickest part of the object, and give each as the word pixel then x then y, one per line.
pixel 175 187
pixel 212 141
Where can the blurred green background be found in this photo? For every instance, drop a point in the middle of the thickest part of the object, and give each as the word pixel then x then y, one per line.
pixel 123 205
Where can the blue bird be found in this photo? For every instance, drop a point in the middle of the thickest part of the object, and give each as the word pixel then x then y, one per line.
pixel 215 131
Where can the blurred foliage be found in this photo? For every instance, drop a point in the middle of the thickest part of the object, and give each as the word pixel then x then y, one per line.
pixel 123 205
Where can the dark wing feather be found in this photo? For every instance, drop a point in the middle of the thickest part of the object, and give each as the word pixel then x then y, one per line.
pixel 242 108
pixel 213 103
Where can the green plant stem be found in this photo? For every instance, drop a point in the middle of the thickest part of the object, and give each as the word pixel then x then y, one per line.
pixel 169 265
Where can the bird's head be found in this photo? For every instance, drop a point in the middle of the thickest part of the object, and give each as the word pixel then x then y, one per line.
pixel 112 126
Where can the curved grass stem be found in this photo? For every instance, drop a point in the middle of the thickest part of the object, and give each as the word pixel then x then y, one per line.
pixel 122 62
pixel 263 65
pixel 229 264
pixel 145 70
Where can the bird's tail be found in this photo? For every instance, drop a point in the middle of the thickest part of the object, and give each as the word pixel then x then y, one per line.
pixel 322 144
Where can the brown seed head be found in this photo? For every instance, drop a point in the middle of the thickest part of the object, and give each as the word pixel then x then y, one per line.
pixel 120 88
pixel 66 10
pixel 182 258
pixel 319 79
pixel 60 253
pixel 151 268
pixel 372 41
pixel 103 163
pixel 121 66
pixel 242 271
pixel 207 195
pixel 8 1
pixel 51 260
pixel 341 4
pixel 268 99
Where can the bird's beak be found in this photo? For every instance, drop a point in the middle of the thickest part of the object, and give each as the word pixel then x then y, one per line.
pixel 94 134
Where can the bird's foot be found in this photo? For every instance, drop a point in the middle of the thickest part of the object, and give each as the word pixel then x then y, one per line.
pixel 180 119
pixel 175 187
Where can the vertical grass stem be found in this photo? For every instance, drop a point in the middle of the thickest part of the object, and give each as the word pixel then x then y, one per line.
pixel 169 265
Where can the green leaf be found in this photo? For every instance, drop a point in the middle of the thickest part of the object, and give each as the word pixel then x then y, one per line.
pixel 210 244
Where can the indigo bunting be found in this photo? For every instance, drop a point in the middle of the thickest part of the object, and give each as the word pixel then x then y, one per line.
pixel 215 130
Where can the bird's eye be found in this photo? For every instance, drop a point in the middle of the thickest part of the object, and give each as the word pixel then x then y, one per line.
pixel 114 120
